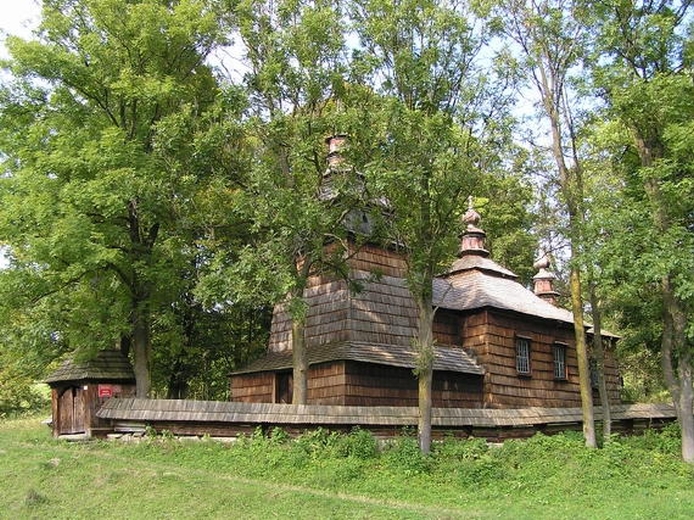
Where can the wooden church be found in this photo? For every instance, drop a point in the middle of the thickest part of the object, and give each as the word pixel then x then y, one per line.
pixel 498 344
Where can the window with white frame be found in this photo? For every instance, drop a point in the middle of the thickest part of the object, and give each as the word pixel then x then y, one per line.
pixel 559 351
pixel 523 356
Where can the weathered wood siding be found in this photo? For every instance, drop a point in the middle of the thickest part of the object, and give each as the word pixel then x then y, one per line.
pixel 381 385
pixel 230 419
pixel 364 384
pixel 253 388
pixel 382 312
pixel 378 261
pixel 505 388
pixel 446 327
pixel 328 315
pixel 492 338
pixel 326 383
pixel 74 406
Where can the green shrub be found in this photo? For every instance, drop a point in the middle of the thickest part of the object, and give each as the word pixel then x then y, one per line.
pixel 20 396
pixel 666 441
pixel 456 450
pixel 402 454
pixel 468 462
pixel 480 472
pixel 360 444
pixel 278 436
pixel 317 442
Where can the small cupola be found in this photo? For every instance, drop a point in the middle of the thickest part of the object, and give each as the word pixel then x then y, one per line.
pixel 329 187
pixel 336 144
pixel 472 238
pixel 543 281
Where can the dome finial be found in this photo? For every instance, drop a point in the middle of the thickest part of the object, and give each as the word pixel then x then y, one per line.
pixel 543 281
pixel 472 242
pixel 542 261
pixel 471 218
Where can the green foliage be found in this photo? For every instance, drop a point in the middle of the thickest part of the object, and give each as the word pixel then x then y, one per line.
pixel 423 144
pixel 263 475
pixel 402 455
pixel 472 462
pixel 640 68
pixel 19 395
pixel 316 443
pixel 359 444
pixel 108 119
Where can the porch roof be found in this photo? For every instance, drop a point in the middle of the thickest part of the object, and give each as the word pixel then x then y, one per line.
pixel 107 365
pixel 446 359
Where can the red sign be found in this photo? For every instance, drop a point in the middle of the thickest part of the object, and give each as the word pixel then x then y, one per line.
pixel 105 391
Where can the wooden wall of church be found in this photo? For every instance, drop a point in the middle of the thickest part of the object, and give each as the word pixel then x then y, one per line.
pixel 380 385
pixel 363 384
pixel 491 336
pixel 253 388
pixel 337 314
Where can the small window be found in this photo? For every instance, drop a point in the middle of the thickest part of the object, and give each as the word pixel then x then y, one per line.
pixel 523 356
pixel 559 361
pixel 594 373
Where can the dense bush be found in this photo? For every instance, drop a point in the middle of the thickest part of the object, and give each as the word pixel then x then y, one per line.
pixel 541 468
pixel 20 396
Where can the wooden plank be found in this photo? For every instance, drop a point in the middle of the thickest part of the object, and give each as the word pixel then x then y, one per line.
pixel 227 418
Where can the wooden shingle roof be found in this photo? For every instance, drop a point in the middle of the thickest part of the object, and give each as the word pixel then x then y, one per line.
pixel 475 281
pixel 219 412
pixel 476 289
pixel 107 365
pixel 481 263
pixel 445 358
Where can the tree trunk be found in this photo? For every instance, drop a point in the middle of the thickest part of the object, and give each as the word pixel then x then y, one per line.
pixel 177 387
pixel 582 355
pixel 297 310
pixel 141 348
pixel 686 412
pixel 425 371
pixel 299 361
pixel 599 353
pixel 673 347
pixel 674 340
pixel 142 244
pixel 571 183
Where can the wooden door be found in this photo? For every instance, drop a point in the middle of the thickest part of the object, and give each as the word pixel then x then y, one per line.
pixel 71 411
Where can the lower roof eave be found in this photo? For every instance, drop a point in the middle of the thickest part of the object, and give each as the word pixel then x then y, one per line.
pixel 447 359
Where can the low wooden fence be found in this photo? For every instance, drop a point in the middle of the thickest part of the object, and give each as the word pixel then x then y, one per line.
pixel 229 419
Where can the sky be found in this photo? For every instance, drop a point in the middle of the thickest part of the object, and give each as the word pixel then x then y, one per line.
pixel 17 17
pixel 20 17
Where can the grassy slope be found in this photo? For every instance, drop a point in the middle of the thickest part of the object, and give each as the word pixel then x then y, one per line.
pixel 324 476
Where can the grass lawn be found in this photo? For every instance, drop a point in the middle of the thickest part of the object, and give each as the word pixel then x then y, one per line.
pixel 329 476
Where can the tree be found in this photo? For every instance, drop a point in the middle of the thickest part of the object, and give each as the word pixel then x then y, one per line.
pixel 551 41
pixel 295 56
pixel 423 145
pixel 93 187
pixel 642 70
